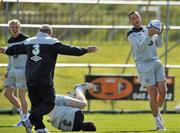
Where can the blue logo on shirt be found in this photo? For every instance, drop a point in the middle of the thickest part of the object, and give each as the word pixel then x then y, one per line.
pixel 151 43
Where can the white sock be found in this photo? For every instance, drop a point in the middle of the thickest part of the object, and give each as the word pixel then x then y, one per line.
pixel 41 130
pixel 159 110
pixel 20 111
pixel 24 117
pixel 79 89
pixel 156 118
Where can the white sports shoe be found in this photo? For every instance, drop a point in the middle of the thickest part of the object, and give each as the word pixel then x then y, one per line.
pixel 42 131
pixel 160 125
pixel 85 86
pixel 160 129
pixel 23 118
pixel 177 108
pixel 27 125
pixel 19 124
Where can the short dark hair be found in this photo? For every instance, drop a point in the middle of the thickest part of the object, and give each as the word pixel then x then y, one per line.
pixel 131 12
pixel 88 126
pixel 46 28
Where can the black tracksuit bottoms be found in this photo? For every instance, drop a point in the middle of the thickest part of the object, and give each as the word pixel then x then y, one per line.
pixel 42 102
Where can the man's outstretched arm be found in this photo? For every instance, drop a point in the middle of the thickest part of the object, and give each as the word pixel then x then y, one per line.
pixel 14 50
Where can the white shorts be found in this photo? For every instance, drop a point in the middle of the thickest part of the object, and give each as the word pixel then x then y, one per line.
pixel 16 78
pixel 62 116
pixel 150 72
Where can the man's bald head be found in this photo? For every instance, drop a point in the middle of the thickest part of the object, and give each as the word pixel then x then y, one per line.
pixel 46 29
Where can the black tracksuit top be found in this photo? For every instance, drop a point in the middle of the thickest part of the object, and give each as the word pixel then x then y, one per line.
pixel 42 51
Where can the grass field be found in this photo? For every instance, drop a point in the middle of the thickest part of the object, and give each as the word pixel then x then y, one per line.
pixel 107 123
pixel 66 78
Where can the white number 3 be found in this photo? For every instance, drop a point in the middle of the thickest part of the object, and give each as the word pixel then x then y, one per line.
pixel 36 50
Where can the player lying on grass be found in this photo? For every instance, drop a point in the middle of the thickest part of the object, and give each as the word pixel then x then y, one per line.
pixel 67 114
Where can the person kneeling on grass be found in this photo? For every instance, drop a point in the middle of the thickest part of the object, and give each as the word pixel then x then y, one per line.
pixel 67 115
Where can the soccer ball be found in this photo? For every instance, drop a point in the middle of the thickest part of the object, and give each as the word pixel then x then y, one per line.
pixel 155 23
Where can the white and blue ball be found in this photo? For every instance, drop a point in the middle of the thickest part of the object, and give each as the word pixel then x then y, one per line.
pixel 155 23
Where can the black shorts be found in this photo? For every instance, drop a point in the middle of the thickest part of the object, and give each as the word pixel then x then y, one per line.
pixel 78 121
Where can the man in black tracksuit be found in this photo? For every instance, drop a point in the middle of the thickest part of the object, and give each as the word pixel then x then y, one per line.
pixel 42 51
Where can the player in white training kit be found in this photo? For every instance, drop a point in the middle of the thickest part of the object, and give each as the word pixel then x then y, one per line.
pixel 15 75
pixel 144 42
pixel 67 115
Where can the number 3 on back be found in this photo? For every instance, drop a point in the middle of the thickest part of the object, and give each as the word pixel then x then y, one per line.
pixel 36 49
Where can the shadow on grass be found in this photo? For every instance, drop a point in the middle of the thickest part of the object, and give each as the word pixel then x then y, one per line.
pixel 137 131
pixel 129 131
pixel 9 126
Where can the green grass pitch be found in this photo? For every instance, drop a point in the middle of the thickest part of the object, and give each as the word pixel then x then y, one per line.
pixel 106 123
